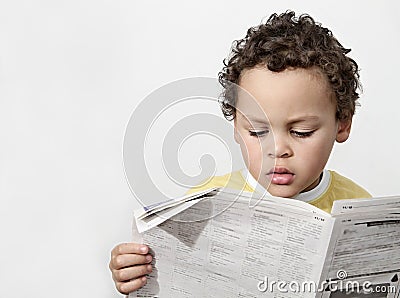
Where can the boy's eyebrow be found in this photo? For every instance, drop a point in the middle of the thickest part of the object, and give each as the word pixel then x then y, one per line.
pixel 257 120
pixel 303 119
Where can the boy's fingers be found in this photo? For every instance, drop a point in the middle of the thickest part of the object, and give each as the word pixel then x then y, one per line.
pixel 130 248
pixel 127 260
pixel 133 285
pixel 127 274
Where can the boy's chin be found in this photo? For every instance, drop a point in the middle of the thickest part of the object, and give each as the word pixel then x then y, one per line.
pixel 283 191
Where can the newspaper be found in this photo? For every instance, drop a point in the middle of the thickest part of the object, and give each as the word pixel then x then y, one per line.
pixel 225 243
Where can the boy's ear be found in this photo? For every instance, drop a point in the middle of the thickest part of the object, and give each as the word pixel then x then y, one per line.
pixel 343 131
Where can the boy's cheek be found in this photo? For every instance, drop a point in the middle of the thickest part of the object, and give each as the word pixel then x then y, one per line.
pixel 254 156
pixel 252 152
pixel 237 137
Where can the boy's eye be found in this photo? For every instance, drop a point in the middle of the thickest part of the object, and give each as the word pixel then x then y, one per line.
pixel 258 133
pixel 302 134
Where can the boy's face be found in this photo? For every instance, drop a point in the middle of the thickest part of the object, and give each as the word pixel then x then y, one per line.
pixel 286 128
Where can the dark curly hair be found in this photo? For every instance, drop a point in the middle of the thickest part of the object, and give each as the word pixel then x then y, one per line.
pixel 286 41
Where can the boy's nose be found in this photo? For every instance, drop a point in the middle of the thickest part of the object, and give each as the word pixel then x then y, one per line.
pixel 280 148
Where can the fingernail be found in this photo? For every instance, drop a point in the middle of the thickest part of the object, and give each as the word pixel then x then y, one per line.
pixel 143 249
pixel 149 268
pixel 144 279
pixel 148 258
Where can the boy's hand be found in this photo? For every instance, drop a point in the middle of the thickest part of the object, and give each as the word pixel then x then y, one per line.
pixel 129 264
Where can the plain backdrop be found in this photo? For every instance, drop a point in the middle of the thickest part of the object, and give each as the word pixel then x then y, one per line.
pixel 72 72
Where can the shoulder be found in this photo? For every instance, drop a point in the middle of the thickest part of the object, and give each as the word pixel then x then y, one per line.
pixel 339 188
pixel 347 188
pixel 233 180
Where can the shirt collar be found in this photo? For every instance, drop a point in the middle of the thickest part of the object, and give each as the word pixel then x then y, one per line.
pixel 307 196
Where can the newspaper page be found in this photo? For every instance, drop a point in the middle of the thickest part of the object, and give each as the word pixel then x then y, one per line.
pixel 364 256
pixel 223 247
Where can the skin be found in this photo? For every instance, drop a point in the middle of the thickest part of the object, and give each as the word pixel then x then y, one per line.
pixel 296 137
pixel 286 127
pixel 129 265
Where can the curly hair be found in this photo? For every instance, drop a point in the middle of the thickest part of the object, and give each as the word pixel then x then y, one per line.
pixel 286 41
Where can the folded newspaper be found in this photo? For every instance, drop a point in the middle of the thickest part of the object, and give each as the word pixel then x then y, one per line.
pixel 225 243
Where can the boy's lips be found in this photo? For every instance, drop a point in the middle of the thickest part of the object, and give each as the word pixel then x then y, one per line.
pixel 280 175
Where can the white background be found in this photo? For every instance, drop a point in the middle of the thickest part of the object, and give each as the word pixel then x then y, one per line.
pixel 71 73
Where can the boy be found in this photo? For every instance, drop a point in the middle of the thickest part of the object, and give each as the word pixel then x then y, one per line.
pixel 296 97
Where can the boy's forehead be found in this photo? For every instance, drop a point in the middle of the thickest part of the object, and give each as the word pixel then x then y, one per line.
pixel 261 76
pixel 259 85
pixel 248 107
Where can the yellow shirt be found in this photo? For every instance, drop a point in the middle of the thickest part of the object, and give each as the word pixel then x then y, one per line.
pixel 338 188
